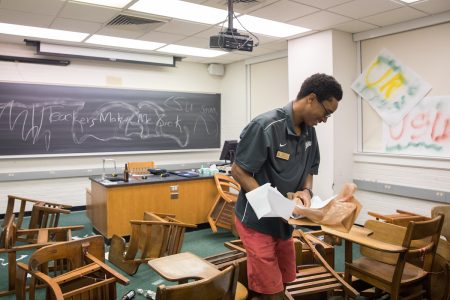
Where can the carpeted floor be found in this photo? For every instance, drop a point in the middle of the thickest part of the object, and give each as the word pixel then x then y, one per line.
pixel 201 242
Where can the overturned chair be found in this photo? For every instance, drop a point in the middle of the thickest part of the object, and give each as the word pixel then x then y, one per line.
pixel 156 236
pixel 70 270
pixel 42 230
pixel 222 211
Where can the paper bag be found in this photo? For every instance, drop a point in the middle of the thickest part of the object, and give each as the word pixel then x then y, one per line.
pixel 340 213
pixel 267 201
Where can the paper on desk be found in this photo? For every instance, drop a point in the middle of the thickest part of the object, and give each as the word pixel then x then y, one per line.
pixel 316 202
pixel 267 201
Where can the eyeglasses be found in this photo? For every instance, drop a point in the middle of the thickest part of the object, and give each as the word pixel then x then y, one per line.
pixel 327 112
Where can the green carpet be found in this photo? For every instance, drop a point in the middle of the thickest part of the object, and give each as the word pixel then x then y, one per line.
pixel 201 242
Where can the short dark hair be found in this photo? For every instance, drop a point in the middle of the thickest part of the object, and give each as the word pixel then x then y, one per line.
pixel 323 85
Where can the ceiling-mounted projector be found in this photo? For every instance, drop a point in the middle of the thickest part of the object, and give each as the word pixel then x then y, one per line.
pixel 231 39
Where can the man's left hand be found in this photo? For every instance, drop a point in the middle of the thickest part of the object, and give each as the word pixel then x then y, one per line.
pixel 304 196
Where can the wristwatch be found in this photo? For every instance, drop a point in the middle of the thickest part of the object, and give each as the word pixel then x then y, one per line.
pixel 311 194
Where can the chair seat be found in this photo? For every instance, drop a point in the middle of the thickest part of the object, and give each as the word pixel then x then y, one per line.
pixel 241 292
pixel 385 272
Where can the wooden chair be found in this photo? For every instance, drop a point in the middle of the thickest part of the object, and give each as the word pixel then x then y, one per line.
pixel 39 233
pixel 318 278
pixel 220 286
pixel 391 272
pixel 401 217
pixel 140 167
pixel 156 236
pixel 70 270
pixel 440 278
pixel 222 212
pixel 43 214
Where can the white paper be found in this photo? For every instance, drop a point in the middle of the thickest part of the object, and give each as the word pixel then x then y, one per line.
pixel 316 203
pixel 267 201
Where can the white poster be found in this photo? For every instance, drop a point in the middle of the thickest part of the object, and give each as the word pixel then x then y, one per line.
pixel 425 130
pixel 390 87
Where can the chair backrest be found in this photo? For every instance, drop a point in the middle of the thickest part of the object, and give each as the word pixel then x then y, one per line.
pixel 227 187
pixel 420 238
pixel 220 286
pixel 140 167
pixel 71 270
pixel 155 236
pixel 445 210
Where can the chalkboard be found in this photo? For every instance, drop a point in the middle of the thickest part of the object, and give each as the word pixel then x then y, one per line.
pixel 50 119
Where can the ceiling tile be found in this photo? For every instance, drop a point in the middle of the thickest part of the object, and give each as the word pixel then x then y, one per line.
pixel 162 37
pixel 320 21
pixel 363 8
pixel 277 45
pixel 194 42
pixel 213 30
pixel 323 4
pixel 354 26
pixel 182 27
pixel 45 7
pixel 394 16
pixel 75 25
pixel 283 11
pixel 23 18
pixel 432 6
pixel 117 32
pixel 87 12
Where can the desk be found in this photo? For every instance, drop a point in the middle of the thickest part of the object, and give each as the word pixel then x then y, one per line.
pixel 361 236
pixel 183 266
pixel 112 205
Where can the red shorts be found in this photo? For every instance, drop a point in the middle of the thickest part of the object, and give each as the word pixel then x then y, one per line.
pixel 270 261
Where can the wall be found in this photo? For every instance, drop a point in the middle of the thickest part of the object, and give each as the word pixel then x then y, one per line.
pixel 333 53
pixel 190 77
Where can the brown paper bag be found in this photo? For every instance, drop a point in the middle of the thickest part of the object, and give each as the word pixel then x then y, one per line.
pixel 340 213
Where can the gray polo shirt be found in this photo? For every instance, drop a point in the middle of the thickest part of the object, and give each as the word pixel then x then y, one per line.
pixel 271 151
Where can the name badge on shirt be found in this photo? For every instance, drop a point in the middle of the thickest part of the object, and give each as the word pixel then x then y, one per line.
pixel 283 155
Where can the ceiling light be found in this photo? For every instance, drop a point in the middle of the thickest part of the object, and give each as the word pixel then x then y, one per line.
pixel 122 42
pixel 268 27
pixel 43 33
pixel 409 1
pixel 181 10
pixel 111 3
pixel 184 50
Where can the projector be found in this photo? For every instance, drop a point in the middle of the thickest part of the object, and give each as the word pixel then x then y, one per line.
pixel 231 41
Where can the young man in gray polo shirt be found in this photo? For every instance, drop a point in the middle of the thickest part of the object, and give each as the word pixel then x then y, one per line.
pixel 280 147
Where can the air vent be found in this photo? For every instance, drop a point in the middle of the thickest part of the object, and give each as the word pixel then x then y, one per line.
pixel 121 20
pixel 135 24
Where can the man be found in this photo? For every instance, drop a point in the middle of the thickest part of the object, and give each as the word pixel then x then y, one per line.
pixel 280 147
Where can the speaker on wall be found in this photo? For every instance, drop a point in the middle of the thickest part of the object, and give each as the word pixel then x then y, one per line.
pixel 216 69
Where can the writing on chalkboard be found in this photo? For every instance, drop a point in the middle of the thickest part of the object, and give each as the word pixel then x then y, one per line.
pixel 44 119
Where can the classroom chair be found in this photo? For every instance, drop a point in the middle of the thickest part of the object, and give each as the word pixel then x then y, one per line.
pixel 401 217
pixel 222 211
pixel 140 167
pixel 220 286
pixel 155 236
pixel 392 272
pixel 70 270
pixel 42 230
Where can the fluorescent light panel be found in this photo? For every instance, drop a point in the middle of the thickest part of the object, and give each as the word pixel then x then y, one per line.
pixel 410 1
pixel 81 52
pixel 185 50
pixel 267 27
pixel 44 33
pixel 122 42
pixel 110 3
pixel 181 10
